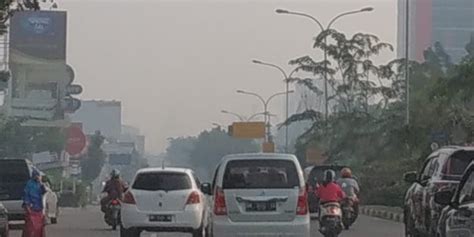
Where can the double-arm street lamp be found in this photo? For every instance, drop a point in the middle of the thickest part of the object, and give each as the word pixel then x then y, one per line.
pixel 265 103
pixel 287 81
pixel 322 28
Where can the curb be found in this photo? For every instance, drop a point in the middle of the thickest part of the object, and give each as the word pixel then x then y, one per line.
pixel 383 214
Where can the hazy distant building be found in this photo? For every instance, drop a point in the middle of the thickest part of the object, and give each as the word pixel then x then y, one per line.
pixel 105 116
pixel 450 22
pixel 132 134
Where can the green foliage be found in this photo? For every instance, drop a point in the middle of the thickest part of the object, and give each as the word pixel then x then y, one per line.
pixel 367 129
pixel 93 161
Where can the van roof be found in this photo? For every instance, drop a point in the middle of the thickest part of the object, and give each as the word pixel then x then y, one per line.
pixel 252 156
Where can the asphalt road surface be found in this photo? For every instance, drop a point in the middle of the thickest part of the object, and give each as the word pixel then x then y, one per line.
pixel 88 223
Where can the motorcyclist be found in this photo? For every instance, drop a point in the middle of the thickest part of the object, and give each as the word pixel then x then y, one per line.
pixel 329 190
pixel 350 187
pixel 114 188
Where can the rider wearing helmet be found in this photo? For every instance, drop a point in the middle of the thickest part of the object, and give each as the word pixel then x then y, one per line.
pixel 114 188
pixel 329 191
pixel 350 187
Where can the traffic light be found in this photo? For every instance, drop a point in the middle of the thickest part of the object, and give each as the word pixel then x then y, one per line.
pixel 71 104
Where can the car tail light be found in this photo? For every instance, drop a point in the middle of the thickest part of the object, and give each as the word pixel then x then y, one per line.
pixel 193 198
pixel 129 199
pixel 115 202
pixel 220 207
pixel 302 207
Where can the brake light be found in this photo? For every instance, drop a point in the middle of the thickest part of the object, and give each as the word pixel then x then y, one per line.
pixel 115 202
pixel 193 198
pixel 220 208
pixel 302 206
pixel 129 199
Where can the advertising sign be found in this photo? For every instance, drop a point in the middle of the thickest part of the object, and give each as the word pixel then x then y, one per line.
pixel 248 130
pixel 38 35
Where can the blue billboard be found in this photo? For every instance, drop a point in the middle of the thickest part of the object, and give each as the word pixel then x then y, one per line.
pixel 38 35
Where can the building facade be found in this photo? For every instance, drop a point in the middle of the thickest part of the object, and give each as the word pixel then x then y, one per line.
pixel 450 22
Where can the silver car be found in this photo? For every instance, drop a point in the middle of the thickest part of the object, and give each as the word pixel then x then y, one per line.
pixel 3 221
pixel 259 195
pixel 457 218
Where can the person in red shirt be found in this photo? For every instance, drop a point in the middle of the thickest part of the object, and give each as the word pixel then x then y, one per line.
pixel 329 191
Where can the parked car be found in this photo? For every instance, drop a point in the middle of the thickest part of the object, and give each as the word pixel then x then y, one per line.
pixel 315 177
pixel 258 194
pixel 442 170
pixel 3 221
pixel 14 174
pixel 164 200
pixel 457 218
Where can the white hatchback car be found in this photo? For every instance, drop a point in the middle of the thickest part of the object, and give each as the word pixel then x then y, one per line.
pixel 164 200
pixel 259 195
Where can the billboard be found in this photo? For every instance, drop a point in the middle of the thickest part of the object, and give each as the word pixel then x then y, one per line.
pixel 248 130
pixel 37 36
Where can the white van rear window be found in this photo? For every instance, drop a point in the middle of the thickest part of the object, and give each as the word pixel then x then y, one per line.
pixel 264 173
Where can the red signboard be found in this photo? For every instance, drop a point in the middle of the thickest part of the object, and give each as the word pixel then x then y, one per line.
pixel 76 140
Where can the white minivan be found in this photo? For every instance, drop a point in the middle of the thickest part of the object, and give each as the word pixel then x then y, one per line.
pixel 259 195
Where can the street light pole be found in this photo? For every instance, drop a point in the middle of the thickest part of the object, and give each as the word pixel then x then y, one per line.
pixel 326 96
pixel 241 118
pixel 287 89
pixel 407 59
pixel 265 107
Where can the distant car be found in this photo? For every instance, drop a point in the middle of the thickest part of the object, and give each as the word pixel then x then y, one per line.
pixel 3 221
pixel 442 170
pixel 457 218
pixel 164 200
pixel 258 195
pixel 315 177
pixel 14 174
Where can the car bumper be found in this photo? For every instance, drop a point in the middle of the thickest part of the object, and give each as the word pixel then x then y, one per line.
pixel 15 210
pixel 182 221
pixel 223 227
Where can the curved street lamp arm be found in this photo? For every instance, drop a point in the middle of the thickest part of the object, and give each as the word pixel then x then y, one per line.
pixel 310 17
pixel 275 95
pixel 253 94
pixel 240 117
pixel 343 14
pixel 273 66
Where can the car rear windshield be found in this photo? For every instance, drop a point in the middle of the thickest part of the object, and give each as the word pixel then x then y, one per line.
pixel 254 174
pixel 457 163
pixel 166 181
pixel 13 171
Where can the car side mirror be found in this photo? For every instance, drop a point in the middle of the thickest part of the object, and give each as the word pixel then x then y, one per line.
pixel 206 188
pixel 443 197
pixel 410 177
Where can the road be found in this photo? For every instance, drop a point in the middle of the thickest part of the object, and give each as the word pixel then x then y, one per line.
pixel 88 223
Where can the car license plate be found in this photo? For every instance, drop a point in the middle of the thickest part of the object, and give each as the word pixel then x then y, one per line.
pixel 260 206
pixel 161 218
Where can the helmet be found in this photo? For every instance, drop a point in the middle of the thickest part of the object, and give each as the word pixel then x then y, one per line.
pixel 35 173
pixel 329 176
pixel 115 173
pixel 346 173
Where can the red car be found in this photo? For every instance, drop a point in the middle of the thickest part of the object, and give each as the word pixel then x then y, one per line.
pixel 442 170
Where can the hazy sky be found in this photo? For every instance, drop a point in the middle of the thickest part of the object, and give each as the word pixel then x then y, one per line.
pixel 176 64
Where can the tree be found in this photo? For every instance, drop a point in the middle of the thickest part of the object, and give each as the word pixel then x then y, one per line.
pixel 93 161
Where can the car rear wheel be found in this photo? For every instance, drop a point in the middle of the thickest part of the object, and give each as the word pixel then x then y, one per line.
pixel 4 233
pixel 201 232
pixel 410 230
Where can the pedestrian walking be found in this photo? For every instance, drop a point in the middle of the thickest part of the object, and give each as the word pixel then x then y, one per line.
pixel 33 205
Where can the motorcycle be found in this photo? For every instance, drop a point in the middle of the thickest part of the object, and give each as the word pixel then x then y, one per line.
pixel 112 216
pixel 348 213
pixel 330 220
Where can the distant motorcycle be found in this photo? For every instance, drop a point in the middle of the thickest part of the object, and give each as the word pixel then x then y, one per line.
pixel 112 217
pixel 330 219
pixel 348 213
